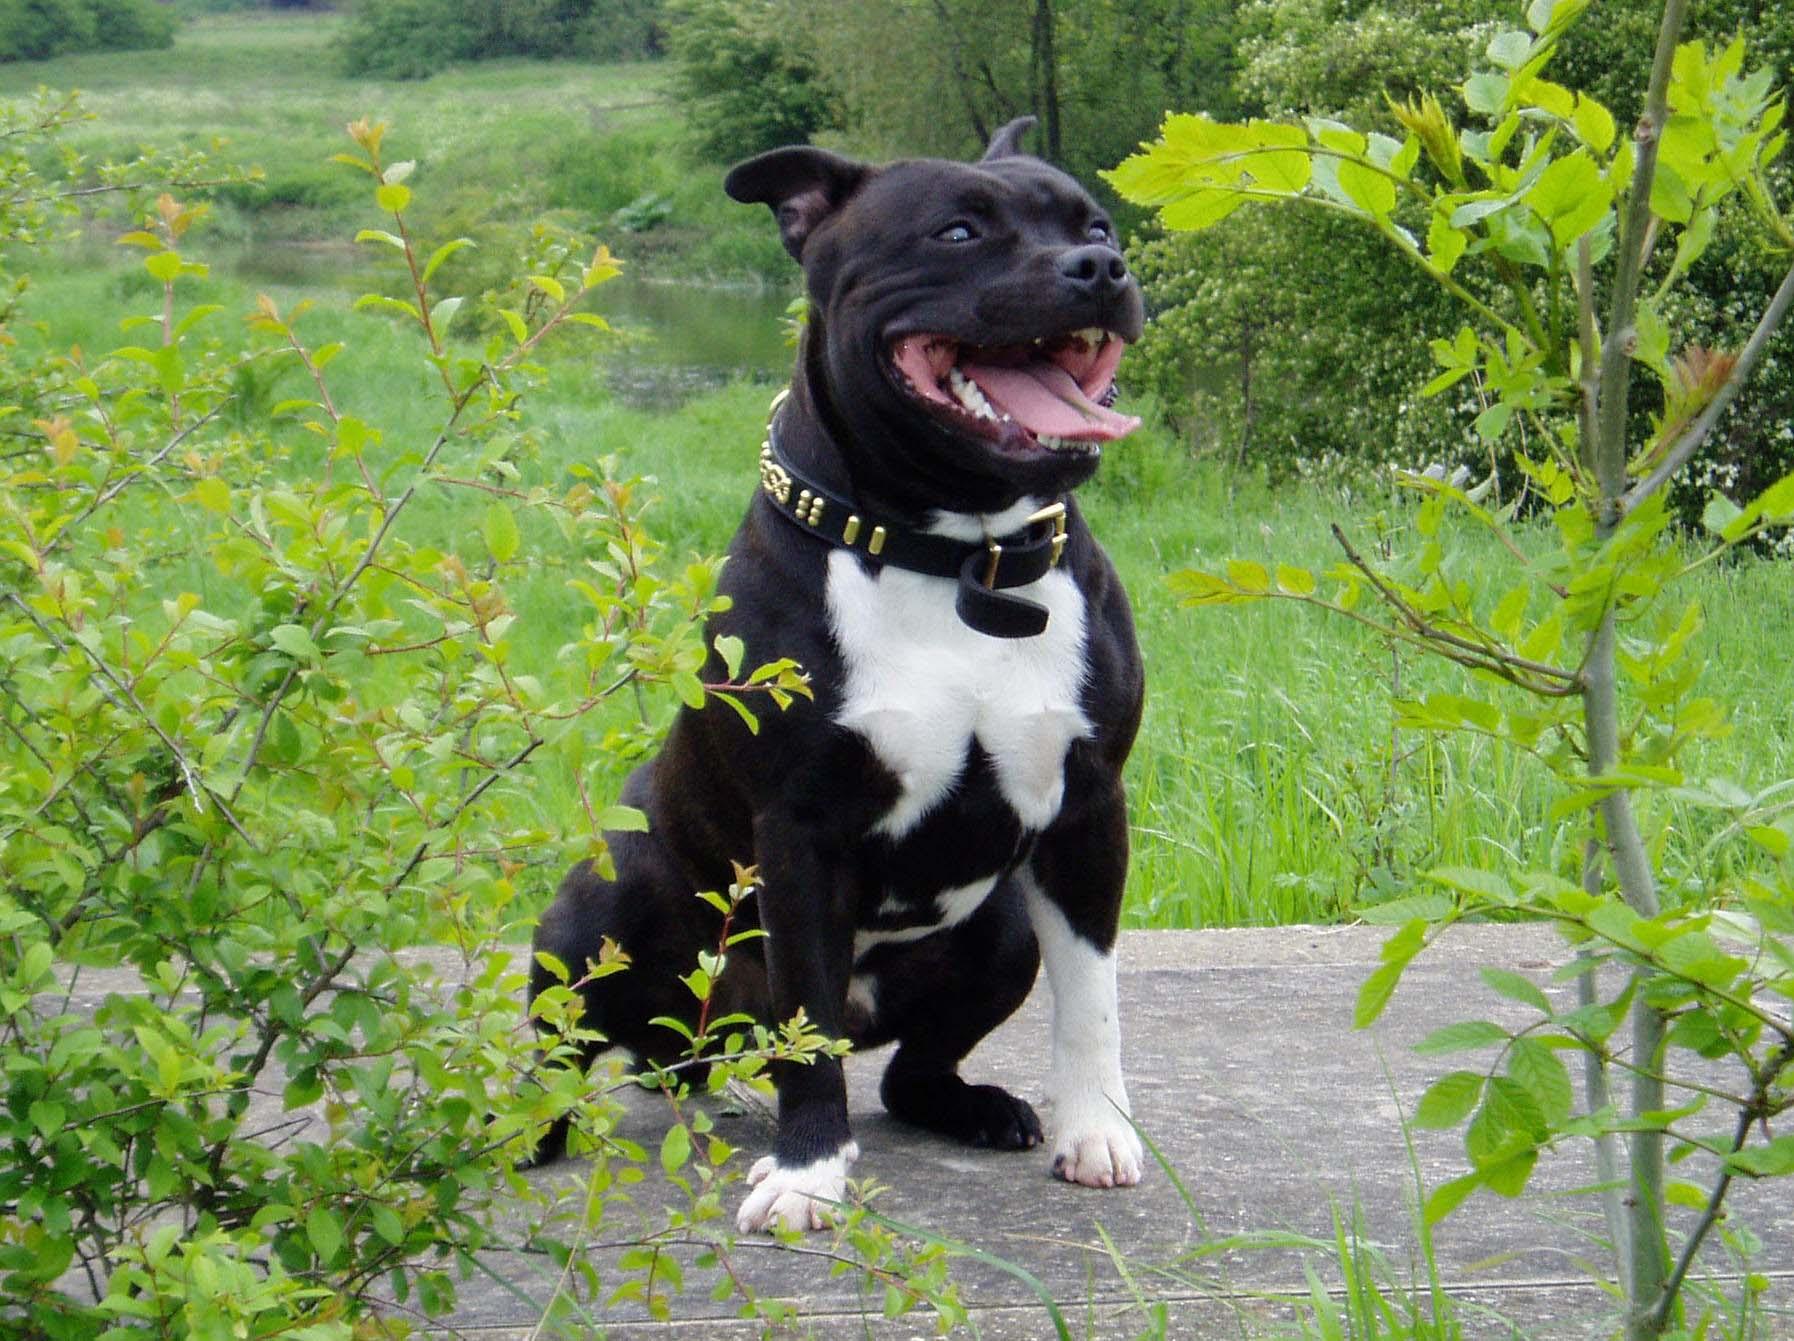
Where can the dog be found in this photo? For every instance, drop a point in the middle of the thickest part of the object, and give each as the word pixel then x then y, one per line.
pixel 947 811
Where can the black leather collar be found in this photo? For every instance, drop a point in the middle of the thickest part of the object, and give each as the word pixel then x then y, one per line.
pixel 984 569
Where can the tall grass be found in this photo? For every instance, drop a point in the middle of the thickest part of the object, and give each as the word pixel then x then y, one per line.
pixel 1268 786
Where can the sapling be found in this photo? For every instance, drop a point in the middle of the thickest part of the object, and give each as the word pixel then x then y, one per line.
pixel 1564 242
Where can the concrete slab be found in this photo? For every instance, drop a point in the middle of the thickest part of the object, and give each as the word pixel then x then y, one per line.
pixel 1244 1070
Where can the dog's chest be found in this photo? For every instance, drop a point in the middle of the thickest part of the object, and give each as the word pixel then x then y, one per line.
pixel 921 688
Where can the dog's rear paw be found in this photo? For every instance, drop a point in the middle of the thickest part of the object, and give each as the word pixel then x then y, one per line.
pixel 1098 1148
pixel 979 1115
pixel 994 1117
pixel 795 1198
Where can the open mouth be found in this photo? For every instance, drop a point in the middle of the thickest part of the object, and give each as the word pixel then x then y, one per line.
pixel 1055 390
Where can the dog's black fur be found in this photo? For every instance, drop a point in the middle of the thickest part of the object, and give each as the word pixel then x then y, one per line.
pixel 998 253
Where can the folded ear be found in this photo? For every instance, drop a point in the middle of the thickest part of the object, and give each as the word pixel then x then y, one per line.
pixel 1007 142
pixel 802 185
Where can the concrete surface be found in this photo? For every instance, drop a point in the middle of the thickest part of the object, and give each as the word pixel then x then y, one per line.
pixel 1244 1069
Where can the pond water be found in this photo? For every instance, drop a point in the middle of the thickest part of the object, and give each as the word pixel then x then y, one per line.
pixel 678 338
pixel 675 338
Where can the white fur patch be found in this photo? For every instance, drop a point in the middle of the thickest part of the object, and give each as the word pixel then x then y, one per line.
pixel 795 1198
pixel 921 686
pixel 1093 1143
pixel 951 907
pixel 862 992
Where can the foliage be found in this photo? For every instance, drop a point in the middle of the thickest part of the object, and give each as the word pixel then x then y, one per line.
pixel 260 745
pixel 35 30
pixel 1513 214
pixel 1348 340
pixel 412 39
pixel 940 77
pixel 745 80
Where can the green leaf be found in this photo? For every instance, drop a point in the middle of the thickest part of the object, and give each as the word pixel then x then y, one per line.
pixel 213 494
pixel 500 530
pixel 1774 1159
pixel 675 1148
pixel 388 1225
pixel 295 642
pixel 442 254
pixel 393 197
pixel 1374 994
pixel 1367 188
pixel 1248 576
pixel 442 315
pixel 1447 1197
pixel 1508 1177
pixel 164 265
pixel 1468 880
pixel 1510 49
pixel 1444 243
pixel 1517 988
pixel 381 235
pixel 731 650
pixel 622 819
pixel 1449 1100
pixel 1537 1069
pixel 689 688
pixel 325 1231
pixel 1572 195
pixel 386 304
pixel 1462 1036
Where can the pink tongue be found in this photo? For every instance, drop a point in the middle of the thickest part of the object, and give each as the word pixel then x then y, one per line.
pixel 1045 398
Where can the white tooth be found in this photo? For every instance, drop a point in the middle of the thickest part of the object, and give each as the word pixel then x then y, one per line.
pixel 966 392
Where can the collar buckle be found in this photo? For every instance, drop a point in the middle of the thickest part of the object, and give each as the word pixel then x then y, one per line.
pixel 1055 513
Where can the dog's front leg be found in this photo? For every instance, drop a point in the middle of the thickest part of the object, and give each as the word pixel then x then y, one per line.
pixel 1074 886
pixel 806 908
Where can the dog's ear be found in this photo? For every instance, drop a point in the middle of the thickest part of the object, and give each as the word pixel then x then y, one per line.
pixel 802 185
pixel 1007 142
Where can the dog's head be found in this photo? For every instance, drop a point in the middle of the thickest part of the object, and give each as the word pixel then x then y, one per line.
pixel 965 318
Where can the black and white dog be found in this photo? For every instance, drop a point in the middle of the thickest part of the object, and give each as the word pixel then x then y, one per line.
pixel 948 811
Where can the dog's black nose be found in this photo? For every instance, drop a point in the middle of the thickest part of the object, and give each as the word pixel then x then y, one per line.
pixel 1100 269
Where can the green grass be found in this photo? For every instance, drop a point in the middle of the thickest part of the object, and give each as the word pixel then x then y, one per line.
pixel 494 142
pixel 1267 786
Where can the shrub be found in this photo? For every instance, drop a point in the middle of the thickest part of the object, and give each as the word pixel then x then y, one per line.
pixel 411 39
pixel 262 735
pixel 39 29
pixel 745 85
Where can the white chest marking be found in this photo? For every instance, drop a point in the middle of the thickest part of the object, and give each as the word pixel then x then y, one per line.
pixel 921 686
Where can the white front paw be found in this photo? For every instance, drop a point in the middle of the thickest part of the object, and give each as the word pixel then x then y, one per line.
pixel 795 1198
pixel 1096 1145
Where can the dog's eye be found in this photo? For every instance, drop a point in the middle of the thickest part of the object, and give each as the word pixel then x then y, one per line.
pixel 1101 232
pixel 955 232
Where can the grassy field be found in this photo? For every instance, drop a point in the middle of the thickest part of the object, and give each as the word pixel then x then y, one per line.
pixel 494 143
pixel 1268 785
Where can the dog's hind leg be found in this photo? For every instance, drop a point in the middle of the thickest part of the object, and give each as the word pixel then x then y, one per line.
pixel 941 998
pixel 657 923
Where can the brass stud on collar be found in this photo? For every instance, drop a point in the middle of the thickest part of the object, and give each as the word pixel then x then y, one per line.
pixel 851 532
pixel 877 543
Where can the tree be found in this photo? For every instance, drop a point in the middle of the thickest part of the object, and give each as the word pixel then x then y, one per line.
pixel 1581 234
pixel 938 76
pixel 746 79
pixel 1305 57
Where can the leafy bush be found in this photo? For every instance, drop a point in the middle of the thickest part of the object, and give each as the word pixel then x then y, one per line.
pixel 33 30
pixel 411 39
pixel 262 738
pixel 1291 339
pixel 746 84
